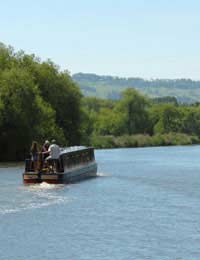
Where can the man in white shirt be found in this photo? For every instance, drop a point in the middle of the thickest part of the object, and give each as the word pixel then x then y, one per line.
pixel 54 150
pixel 53 158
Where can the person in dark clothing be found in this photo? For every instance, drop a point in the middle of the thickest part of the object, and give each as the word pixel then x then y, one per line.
pixel 45 150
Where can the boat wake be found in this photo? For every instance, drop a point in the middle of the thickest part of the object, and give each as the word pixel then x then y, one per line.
pixel 36 197
pixel 46 186
pixel 100 174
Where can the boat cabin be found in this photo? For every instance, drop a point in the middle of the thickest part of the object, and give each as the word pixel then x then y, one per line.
pixel 69 157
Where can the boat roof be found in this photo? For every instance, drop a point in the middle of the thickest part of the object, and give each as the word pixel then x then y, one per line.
pixel 72 149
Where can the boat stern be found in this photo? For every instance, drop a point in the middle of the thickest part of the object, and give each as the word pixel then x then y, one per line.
pixel 31 178
pixel 34 178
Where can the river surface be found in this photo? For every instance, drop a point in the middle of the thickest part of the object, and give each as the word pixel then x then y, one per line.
pixel 144 204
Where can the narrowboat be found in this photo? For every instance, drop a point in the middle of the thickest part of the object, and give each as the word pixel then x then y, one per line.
pixel 74 164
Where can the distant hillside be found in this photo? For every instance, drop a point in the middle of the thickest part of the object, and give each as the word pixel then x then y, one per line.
pixel 185 90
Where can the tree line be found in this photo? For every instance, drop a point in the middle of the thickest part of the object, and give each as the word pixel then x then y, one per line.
pixel 186 90
pixel 160 121
pixel 38 101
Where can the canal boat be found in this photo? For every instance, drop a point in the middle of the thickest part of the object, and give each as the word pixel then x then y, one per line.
pixel 74 164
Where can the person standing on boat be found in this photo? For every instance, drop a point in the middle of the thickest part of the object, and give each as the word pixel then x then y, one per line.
pixel 45 150
pixel 54 151
pixel 34 155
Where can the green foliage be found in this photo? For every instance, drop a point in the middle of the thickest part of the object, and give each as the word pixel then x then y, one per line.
pixel 37 102
pixel 58 89
pixel 25 116
pixel 127 116
pixel 90 120
pixel 143 140
pixel 191 120
pixel 166 118
pixel 109 122
pixel 124 123
pixel 133 106
pixel 95 104
pixel 103 142
pixel 166 100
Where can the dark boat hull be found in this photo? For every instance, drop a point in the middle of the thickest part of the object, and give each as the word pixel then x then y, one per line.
pixel 71 175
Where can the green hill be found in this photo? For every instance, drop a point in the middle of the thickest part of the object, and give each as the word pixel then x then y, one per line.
pixel 109 87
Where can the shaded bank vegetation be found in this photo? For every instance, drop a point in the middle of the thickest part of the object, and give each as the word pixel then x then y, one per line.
pixel 38 101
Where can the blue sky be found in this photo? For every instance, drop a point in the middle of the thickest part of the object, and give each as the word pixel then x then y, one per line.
pixel 150 39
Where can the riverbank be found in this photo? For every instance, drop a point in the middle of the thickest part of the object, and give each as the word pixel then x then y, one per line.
pixel 140 140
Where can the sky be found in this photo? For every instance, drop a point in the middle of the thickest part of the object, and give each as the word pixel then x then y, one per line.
pixel 129 38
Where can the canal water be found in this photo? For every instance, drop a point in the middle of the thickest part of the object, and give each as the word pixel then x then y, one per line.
pixel 144 204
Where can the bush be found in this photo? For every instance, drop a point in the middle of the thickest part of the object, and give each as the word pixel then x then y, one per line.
pixel 143 140
pixel 103 142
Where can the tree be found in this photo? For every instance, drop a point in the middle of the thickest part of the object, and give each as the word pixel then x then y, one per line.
pixel 191 120
pixel 63 95
pixel 24 115
pixel 109 122
pixel 170 119
pixel 133 106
